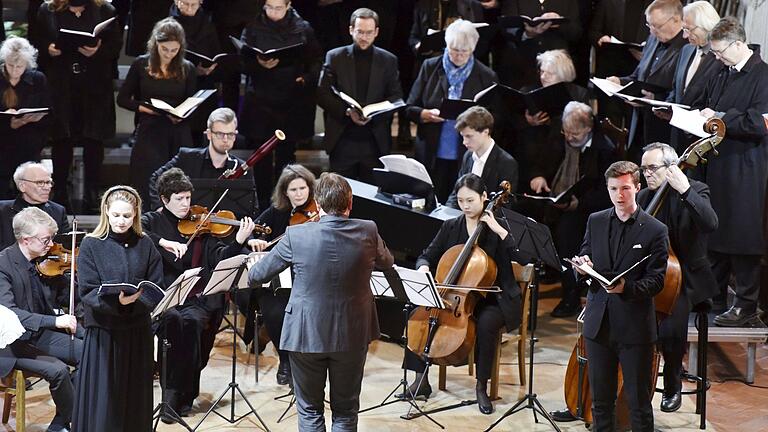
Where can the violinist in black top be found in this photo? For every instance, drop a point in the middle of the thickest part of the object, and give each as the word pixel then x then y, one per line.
pixel 190 328
pixel 21 86
pixel 688 214
pixel 81 84
pixel 162 74
pixel 493 312
pixel 292 196
pixel 280 93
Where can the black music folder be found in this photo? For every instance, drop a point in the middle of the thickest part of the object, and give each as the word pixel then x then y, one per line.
pixel 283 53
pixel 562 197
pixel 551 99
pixel 184 109
pixel 72 39
pixel 451 108
pixel 510 21
pixel 223 59
pixel 634 88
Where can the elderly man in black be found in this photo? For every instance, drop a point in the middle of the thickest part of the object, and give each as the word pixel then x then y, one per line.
pixel 44 348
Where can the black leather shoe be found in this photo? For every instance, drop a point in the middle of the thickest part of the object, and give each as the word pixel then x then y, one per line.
pixel 671 403
pixel 734 317
pixel 483 401
pixel 562 416
pixel 284 373
pixel 566 309
pixel 421 393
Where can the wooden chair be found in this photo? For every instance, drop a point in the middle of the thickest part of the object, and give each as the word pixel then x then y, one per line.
pixel 14 386
pixel 618 135
pixel 523 276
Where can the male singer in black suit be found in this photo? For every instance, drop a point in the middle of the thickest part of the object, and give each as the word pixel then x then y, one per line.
pixel 483 157
pixel 737 177
pixel 657 66
pixel 44 348
pixel 620 320
pixel 695 66
pixel 368 74
pixel 688 214
pixel 206 162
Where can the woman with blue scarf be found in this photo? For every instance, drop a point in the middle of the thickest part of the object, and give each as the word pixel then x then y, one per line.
pixel 454 75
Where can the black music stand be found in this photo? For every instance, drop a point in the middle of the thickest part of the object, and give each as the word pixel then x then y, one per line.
pixel 423 292
pixel 533 243
pixel 241 199
pixel 228 277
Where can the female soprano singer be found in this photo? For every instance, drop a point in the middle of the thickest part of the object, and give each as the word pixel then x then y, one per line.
pixel 163 74
pixel 80 78
pixel 292 194
pixel 495 310
pixel 21 86
pixel 114 385
pixel 190 329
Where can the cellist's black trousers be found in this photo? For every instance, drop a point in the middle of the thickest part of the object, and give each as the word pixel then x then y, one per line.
pixel 635 359
pixel 673 336
pixel 489 321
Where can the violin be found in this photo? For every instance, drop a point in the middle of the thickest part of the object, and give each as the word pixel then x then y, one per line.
pixel 306 213
pixel 576 387
pixel 446 336
pixel 218 224
pixel 58 260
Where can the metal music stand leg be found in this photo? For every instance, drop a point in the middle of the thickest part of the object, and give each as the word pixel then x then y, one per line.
pixel 408 396
pixel 530 400
pixel 233 385
pixel 163 407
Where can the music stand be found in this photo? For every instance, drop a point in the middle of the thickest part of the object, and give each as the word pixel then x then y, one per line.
pixel 533 242
pixel 241 199
pixel 413 288
pixel 230 275
pixel 173 297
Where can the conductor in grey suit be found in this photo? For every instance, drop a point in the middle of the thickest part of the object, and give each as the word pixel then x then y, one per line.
pixel 331 317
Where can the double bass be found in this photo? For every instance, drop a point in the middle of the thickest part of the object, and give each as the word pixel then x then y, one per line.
pixel 576 389
pixel 446 336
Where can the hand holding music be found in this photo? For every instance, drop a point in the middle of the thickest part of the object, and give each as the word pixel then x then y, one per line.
pixel 128 299
pixel 538 119
pixel 534 31
pixel 648 95
pixel 205 71
pixel 68 322
pixel 490 220
pixel 579 260
pixel 569 206
pixel 539 185
pixel 677 179
pixel 614 79
pixel 53 51
pixel 489 4
pixel 146 110
pixel 247 225
pixel 708 113
pixel 617 288
pixel 177 249
pixel 257 245
pixel 603 39
pixel 423 269
pixel 268 63
pixel 89 51
pixel 431 116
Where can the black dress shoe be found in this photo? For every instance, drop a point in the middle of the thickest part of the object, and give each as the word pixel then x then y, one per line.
pixel 483 401
pixel 566 309
pixel 562 416
pixel 734 317
pixel 284 373
pixel 671 403
pixel 421 393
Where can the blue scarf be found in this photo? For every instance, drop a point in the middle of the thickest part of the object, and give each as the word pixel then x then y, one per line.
pixel 448 147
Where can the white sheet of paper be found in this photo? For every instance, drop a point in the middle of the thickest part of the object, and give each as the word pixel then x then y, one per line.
pixel 689 121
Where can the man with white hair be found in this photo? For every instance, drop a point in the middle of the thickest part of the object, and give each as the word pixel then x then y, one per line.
pixel 44 349
pixel 34 182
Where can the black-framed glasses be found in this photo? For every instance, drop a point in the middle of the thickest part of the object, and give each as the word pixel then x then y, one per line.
pixel 45 241
pixel 650 169
pixel 224 135
pixel 659 27
pixel 720 53
pixel 40 183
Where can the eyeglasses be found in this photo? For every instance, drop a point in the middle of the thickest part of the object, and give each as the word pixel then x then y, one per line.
pixel 45 241
pixel 659 27
pixel 40 183
pixel 720 53
pixel 460 51
pixel 224 135
pixel 366 33
pixel 690 30
pixel 650 169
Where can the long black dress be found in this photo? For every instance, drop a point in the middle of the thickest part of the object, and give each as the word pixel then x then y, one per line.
pixel 157 138
pixel 114 386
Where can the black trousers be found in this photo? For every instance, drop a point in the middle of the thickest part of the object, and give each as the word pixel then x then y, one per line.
pixel 344 371
pixel 47 354
pixel 355 159
pixel 272 307
pixel 183 328
pixel 673 336
pixel 746 272
pixel 605 356
pixel 569 233
pixel 490 320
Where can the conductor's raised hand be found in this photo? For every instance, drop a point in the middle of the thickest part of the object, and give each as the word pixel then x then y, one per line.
pixel 246 229
pixel 177 249
pixel 579 260
pixel 128 299
pixel 67 322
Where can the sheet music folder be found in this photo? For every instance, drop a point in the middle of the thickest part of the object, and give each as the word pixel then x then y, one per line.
pixel 410 286
pixel 390 182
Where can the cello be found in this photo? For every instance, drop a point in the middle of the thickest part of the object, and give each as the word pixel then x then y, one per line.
pixel 576 389
pixel 446 336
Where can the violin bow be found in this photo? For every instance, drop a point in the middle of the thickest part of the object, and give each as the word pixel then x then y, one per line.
pixel 207 216
pixel 72 282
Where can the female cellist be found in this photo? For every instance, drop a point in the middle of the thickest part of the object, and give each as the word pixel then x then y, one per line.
pixel 292 197
pixel 495 310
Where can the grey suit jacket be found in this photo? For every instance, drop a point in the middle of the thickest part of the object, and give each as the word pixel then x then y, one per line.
pixel 331 308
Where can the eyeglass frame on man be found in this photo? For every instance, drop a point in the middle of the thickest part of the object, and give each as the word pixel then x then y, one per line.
pixel 40 183
pixel 653 27
pixel 46 241
pixel 651 169
pixel 224 135
pixel 719 53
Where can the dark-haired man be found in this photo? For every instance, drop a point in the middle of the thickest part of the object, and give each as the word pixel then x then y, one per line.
pixel 331 316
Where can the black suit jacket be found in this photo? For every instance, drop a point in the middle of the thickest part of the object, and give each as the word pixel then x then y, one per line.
pixel 499 166
pixel 9 208
pixel 708 68
pixel 689 218
pixel 339 72
pixel 661 74
pixel 631 317
pixel 428 92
